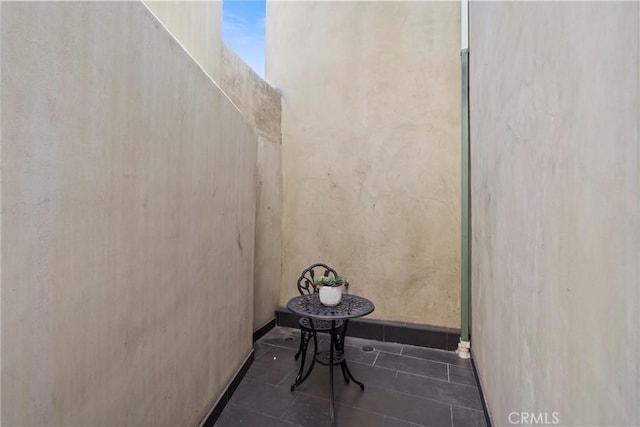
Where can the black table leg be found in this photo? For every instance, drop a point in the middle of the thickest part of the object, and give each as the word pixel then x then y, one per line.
pixel 304 344
pixel 343 363
pixel 332 344
pixel 344 373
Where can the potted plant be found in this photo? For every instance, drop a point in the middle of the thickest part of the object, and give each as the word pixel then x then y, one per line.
pixel 330 289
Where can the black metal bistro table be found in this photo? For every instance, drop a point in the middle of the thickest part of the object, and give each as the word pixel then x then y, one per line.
pixel 350 306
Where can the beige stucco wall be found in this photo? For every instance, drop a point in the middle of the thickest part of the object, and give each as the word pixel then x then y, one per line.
pixel 260 104
pixel 555 199
pixel 128 199
pixel 370 148
pixel 197 25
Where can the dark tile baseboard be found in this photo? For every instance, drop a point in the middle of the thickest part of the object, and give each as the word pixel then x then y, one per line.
pixel 263 330
pixel 380 330
pixel 218 407
pixel 485 409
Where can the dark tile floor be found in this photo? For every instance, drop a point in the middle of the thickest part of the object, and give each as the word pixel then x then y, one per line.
pixel 404 386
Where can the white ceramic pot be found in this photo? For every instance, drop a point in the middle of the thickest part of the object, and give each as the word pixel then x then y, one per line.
pixel 330 295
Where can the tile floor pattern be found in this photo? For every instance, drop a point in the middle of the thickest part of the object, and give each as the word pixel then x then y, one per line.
pixel 404 386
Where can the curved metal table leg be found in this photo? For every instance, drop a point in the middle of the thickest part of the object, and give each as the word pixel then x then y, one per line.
pixel 343 364
pixel 346 367
pixel 331 345
pixel 300 378
pixel 302 335
pixel 344 373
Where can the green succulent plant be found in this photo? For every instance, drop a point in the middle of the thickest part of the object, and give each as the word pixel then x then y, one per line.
pixel 330 281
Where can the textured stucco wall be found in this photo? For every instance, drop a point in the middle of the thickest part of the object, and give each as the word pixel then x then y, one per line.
pixel 371 149
pixel 260 104
pixel 555 199
pixel 128 193
pixel 197 25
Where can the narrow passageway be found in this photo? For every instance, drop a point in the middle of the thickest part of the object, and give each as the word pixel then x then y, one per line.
pixel 405 386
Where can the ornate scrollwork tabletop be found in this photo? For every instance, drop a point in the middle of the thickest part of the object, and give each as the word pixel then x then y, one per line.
pixel 350 306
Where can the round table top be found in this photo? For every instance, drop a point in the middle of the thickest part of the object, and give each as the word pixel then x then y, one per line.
pixel 350 306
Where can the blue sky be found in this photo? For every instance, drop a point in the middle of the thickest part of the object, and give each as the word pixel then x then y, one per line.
pixel 243 30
